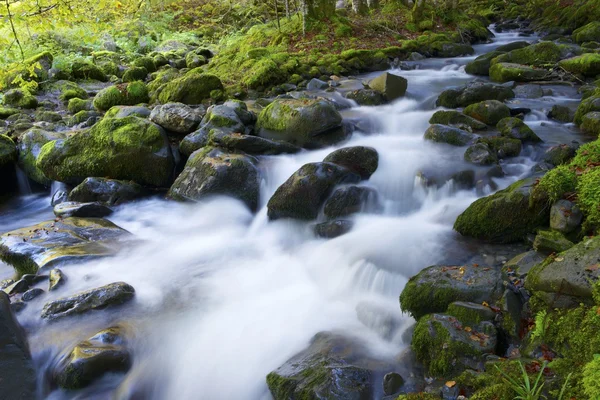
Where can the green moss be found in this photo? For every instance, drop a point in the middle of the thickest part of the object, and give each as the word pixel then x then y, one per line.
pixel 588 156
pixel 264 72
pixel 590 104
pixel 76 104
pixel 6 112
pixel 135 74
pixel 587 64
pixel 555 184
pixel 499 391
pixel 421 299
pixel 82 69
pixel 8 150
pixel 191 88
pixel 48 116
pixel 81 117
pixel 591 378
pixel 125 95
pixel 418 396
pixel 505 72
pixel 590 123
pixel 587 33
pixel 20 98
pixel 588 191
pixel 536 54
pixel 145 62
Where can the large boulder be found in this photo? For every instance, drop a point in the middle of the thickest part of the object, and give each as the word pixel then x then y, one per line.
pixel 302 195
pixel 587 33
pixel 480 153
pixel 434 288
pixel 333 367
pixel 590 123
pixel 18 374
pixel 106 191
pixel 128 111
pixel 448 134
pixel 457 119
pixel 125 94
pixel 129 148
pixel 367 97
pixel 390 85
pixel 112 294
pixel 512 46
pixel 251 144
pixel 567 279
pixel 351 200
pixel 586 64
pixel 105 352
pixel 304 122
pixel 57 242
pixel 8 151
pixel 505 216
pixel 81 69
pixel 211 171
pixel 506 72
pixel 473 93
pixel 481 65
pixel 515 128
pixel 538 54
pixel 20 98
pixel 446 49
pixel 191 88
pixel 176 117
pixel 30 146
pixel 561 113
pixel 488 111
pixel 587 105
pixel 361 160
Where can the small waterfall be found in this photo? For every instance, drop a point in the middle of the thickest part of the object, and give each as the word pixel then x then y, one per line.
pixel 23 183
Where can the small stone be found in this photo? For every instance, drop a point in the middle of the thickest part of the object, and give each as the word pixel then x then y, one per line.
pixel 32 294
pixel 81 210
pixel 392 382
pixel 565 216
pixel 333 229
pixel 56 278
pixel 20 286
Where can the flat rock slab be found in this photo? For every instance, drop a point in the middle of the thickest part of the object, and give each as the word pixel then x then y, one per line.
pixel 82 210
pixel 57 242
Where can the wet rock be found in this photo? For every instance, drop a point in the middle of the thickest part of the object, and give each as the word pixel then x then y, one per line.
pixel 517 129
pixel 8 151
pixel 52 242
pixel 503 147
pixel 447 348
pixel 470 313
pixel 18 374
pixel 506 216
pixel 128 148
pixel 538 54
pixel 488 111
pixel 316 84
pixel 32 294
pixel 125 94
pixel 506 72
pixel 333 229
pixel 19 98
pixel 587 105
pixel 351 200
pixel 586 64
pixel 448 134
pixel 102 353
pixel 390 85
pixel 81 210
pixel 221 119
pixel 481 65
pixel 434 288
pixel 367 97
pixel 457 120
pixel 512 46
pixel 392 383
pixel 250 144
pixel 480 154
pixel 191 88
pixel 590 123
pixel 211 171
pixel 551 242
pixel 565 216
pixel 20 286
pixel 559 154
pixel 176 117
pixel 106 191
pixel 94 299
pixel 519 112
pixel 305 122
pixel 361 160
pixel 567 279
pixel 529 91
pixel 588 33
pixel 449 49
pixel 464 179
pixel 474 93
pixel 303 194
pixel 521 264
pixel 333 367
pixel 561 113
pixel 128 111
pixel 56 279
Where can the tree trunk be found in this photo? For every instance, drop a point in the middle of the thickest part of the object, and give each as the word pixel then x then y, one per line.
pixel 359 6
pixel 317 9
pixel 373 4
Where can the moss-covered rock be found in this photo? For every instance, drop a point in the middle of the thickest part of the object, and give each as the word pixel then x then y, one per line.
pixel 506 216
pixel 128 111
pixel 590 123
pixel 82 69
pixel 30 146
pixel 105 352
pixel 587 105
pixel 548 241
pixel 133 74
pixel 512 46
pixel 76 105
pixel 470 314
pixel 559 154
pixel 304 122
pixel 84 119
pixel 505 72
pixel 6 112
pixel 212 172
pixel 503 147
pixel 567 279
pixel 145 62
pixel 47 116
pixel 561 113
pixel 65 90
pixel 390 85
pixel 128 148
pixel 303 194
pixel 538 54
pixel 57 242
pixel 515 128
pixel 481 65
pixel 480 154
pixel 589 198
pixel 94 299
pixel 361 160
pixel 367 97
pixel 586 64
pixel 191 88
pixel 125 94
pixel 457 119
pixel 565 216
pixel 488 111
pixel 445 348
pixel 193 60
pixel 20 98
pixel 588 33
pixel 448 49
pixel 448 134
pixel 8 151
pixel 434 288
pixel 351 200
pixel 473 93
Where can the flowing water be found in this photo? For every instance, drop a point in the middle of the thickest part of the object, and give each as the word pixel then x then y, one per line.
pixel 223 296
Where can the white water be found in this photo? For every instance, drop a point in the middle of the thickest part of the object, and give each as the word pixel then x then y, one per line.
pixel 223 297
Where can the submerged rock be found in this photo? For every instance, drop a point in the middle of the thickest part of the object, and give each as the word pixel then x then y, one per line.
pixel 53 242
pixel 18 380
pixel 303 194
pixel 474 93
pixel 457 120
pixel 448 134
pixel 333 367
pixel 94 299
pixel 488 111
pixel 517 129
pixel 333 229
pixel 211 171
pixel 102 353
pixel 435 288
pixel 106 191
pixel 351 200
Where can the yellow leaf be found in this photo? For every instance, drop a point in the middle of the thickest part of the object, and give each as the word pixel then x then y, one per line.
pixel 451 384
pixel 468 329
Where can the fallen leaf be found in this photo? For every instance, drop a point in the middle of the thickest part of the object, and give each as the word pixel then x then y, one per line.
pixel 593 267
pixel 485 304
pixel 559 259
pixel 451 384
pixel 468 329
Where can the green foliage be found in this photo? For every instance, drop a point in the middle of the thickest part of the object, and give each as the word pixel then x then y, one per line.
pixel 541 324
pixel 525 389
pixel 556 183
pixel 591 378
pixel 588 190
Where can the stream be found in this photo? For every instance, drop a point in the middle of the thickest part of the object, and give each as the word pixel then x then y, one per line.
pixel 223 296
